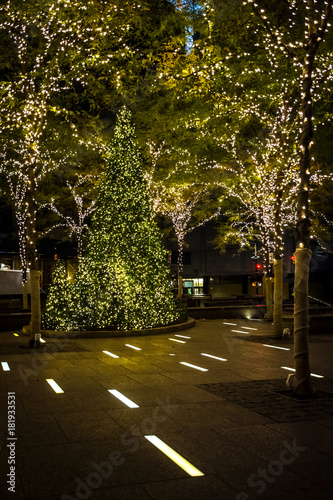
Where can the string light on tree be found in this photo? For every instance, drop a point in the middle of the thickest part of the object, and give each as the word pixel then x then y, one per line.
pixel 122 280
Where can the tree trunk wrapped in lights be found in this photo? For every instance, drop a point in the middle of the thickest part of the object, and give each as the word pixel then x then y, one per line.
pixel 267 279
pixel 298 47
pixel 278 293
pixel 268 295
pixel 278 266
pixel 301 321
pixel 35 325
pixel 33 264
pixel 122 280
pixel 315 34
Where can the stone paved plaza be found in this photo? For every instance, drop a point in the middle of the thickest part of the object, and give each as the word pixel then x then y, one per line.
pixel 226 412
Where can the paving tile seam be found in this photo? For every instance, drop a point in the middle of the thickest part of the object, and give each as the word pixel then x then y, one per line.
pixel 280 431
pixel 218 396
pixel 194 479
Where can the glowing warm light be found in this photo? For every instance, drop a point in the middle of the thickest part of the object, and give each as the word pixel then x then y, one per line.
pixel 76 225
pixel 123 398
pixel 5 366
pixel 231 324
pixel 113 284
pixel 239 331
pixel 111 354
pixel 178 202
pixel 16 334
pixel 193 366
pixel 54 385
pixel 214 357
pixel 43 341
pixel 176 340
pixel 182 336
pixel 248 328
pixel 293 369
pixel 276 347
pixel 133 347
pixel 174 456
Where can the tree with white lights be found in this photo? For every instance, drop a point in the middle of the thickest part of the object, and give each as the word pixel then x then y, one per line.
pixel 123 279
pixel 261 186
pixel 179 195
pixel 61 57
pixel 59 298
pixel 297 40
pixel 250 52
pixel 80 192
pixel 49 53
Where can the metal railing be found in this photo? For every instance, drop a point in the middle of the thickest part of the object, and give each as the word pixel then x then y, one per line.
pixel 321 301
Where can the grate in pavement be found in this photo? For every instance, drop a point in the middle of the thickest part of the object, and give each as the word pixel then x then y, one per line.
pixel 270 399
pixel 49 347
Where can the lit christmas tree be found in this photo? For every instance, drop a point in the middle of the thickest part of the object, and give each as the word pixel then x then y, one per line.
pixel 59 299
pixel 123 279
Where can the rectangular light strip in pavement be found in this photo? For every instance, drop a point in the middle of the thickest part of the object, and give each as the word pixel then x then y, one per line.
pixel 54 385
pixel 193 366
pixel 174 456
pixel 110 354
pixel 214 357
pixel 248 328
pixel 231 324
pixel 133 347
pixel 123 398
pixel 293 369
pixel 182 336
pixel 5 366
pixel 239 331
pixel 180 341
pixel 277 347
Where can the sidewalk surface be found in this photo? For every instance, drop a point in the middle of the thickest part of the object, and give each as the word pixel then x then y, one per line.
pixel 234 422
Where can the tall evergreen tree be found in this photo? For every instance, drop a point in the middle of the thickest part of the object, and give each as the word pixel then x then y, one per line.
pixel 59 299
pixel 122 280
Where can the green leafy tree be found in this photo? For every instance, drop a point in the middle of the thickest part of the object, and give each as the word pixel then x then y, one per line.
pixel 294 34
pixel 49 51
pixel 262 181
pixel 252 52
pixel 61 56
pixel 180 196
pixel 123 279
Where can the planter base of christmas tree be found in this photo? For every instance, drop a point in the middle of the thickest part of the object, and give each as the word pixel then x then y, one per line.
pixel 103 333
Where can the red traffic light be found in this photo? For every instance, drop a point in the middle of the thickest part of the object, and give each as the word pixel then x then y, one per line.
pixel 293 259
pixel 258 267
